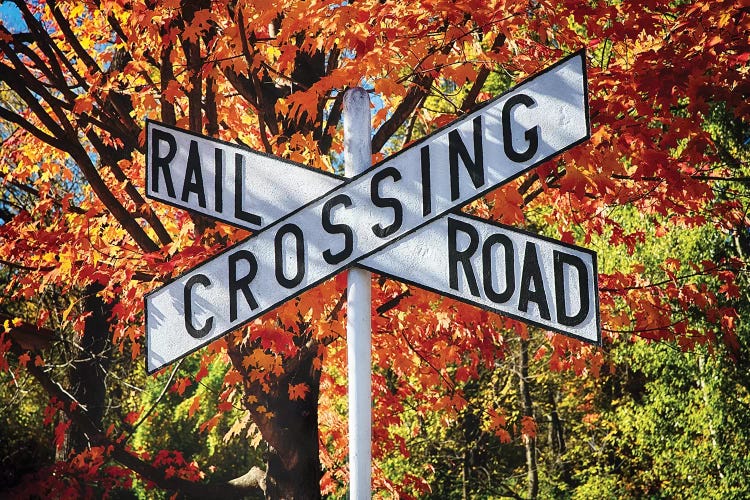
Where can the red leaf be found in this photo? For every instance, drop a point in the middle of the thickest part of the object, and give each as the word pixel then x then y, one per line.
pixel 528 427
pixel 83 104
pixel 180 386
pixel 224 406
pixel 132 417
pixel 574 181
pixel 24 358
pixel 203 371
pixel 60 430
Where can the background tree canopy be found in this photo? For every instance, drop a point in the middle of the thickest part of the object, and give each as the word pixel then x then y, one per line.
pixel 466 403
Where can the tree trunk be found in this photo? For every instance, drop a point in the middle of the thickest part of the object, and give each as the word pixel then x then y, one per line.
pixel 528 411
pixel 294 469
pixel 90 366
pixel 289 426
pixel 465 476
pixel 716 447
pixel 557 437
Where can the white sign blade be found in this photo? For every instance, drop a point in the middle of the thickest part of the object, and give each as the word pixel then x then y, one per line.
pixel 237 185
pixel 510 135
pixel 517 274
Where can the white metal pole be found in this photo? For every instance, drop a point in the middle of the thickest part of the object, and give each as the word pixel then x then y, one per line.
pixel 358 158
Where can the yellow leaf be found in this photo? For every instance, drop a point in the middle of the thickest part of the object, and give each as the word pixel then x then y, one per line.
pixel 255 436
pixel 66 312
pixel 237 426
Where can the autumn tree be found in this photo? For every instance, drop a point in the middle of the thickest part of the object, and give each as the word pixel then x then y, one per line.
pixel 80 254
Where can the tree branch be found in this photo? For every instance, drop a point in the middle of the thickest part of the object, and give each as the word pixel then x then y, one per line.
pixel 484 72
pixel 101 189
pixel 39 36
pixel 166 73
pixel 72 39
pixel 47 45
pixel 326 139
pixel 392 303
pixel 406 107
pixel 12 117
pixel 21 87
pixel 55 80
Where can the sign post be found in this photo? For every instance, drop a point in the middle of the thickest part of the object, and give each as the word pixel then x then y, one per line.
pixel 357 159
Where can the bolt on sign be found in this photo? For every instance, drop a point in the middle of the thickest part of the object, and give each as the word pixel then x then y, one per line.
pixel 400 218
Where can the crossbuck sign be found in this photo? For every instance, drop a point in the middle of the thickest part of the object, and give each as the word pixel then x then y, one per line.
pixel 399 218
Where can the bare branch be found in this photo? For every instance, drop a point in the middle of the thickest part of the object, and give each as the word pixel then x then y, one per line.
pixel 156 402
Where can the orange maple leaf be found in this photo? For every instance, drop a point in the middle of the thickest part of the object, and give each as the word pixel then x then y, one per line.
pixel 232 377
pixel 194 406
pixel 172 92
pixel 83 104
pixel 298 391
pixel 180 386
pixel 210 423
pixel 203 371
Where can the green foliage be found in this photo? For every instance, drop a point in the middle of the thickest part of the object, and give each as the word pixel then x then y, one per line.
pixel 24 441
pixel 462 455
pixel 669 430
pixel 203 423
pixel 663 419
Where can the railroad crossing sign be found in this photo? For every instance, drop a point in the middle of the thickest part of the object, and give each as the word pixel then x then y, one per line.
pixel 398 218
